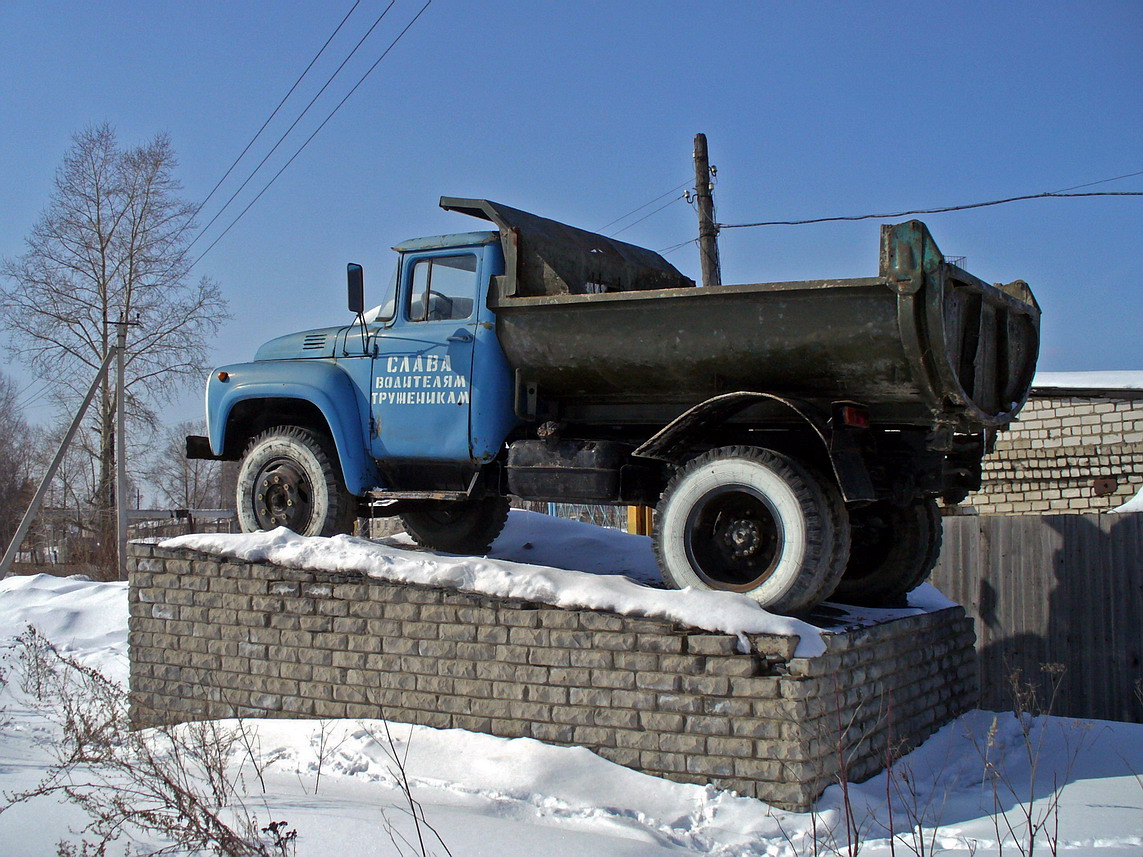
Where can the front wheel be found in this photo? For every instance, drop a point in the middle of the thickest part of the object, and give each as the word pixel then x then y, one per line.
pixel 753 521
pixel 468 526
pixel 289 478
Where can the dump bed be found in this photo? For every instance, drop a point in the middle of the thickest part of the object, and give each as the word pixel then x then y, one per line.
pixel 610 332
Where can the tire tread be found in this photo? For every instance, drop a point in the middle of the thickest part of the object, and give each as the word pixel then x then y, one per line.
pixel 475 535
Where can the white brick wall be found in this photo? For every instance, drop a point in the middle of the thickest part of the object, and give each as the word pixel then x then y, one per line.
pixel 1050 458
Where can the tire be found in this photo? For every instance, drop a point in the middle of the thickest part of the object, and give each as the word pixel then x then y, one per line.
pixel 468 527
pixel 894 549
pixel 290 478
pixel 753 521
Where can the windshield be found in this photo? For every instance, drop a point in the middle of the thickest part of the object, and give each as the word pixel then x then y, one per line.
pixel 385 310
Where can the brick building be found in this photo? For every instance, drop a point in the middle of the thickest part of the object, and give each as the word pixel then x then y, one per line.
pixel 1077 447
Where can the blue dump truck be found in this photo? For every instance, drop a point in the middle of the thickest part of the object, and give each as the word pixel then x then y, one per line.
pixel 793 437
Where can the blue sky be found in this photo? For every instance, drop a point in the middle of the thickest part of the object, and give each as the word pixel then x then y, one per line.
pixel 582 111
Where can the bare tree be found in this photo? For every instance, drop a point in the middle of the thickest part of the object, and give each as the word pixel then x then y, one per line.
pixel 15 476
pixel 112 245
pixel 181 482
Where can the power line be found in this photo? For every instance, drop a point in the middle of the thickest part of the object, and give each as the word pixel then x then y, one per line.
pixel 668 250
pixel 649 214
pixel 287 132
pixel 28 398
pixel 1046 195
pixel 1061 193
pixel 230 169
pixel 315 133
pixel 1101 181
pixel 644 205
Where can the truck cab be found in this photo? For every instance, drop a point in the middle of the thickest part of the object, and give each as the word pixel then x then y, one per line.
pixel 398 384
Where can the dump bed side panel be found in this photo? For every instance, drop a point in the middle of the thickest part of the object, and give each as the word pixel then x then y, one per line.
pixel 606 330
pixel 813 341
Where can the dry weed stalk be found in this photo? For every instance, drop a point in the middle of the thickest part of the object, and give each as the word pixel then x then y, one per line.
pixel 1025 824
pixel 922 808
pixel 822 841
pixel 169 782
pixel 324 747
pixel 398 770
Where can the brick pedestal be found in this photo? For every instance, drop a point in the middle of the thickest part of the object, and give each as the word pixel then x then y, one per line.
pixel 212 638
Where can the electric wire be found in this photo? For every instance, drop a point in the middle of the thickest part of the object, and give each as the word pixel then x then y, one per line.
pixel 668 250
pixel 35 400
pixel 1062 192
pixel 26 399
pixel 392 44
pixel 1101 181
pixel 644 205
pixel 27 387
pixel 649 214
pixel 287 132
pixel 1045 195
pixel 25 402
pixel 258 134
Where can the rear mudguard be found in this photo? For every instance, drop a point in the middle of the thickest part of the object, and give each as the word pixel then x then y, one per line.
pixel 671 442
pixel 321 384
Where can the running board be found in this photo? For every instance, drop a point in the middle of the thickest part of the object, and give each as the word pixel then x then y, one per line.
pixel 381 496
pixel 442 496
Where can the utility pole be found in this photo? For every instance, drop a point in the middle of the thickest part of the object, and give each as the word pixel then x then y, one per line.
pixel 121 445
pixel 708 229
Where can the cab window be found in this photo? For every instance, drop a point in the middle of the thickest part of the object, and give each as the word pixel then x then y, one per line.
pixel 443 288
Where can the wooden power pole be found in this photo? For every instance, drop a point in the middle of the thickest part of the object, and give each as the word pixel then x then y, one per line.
pixel 708 229
pixel 639 518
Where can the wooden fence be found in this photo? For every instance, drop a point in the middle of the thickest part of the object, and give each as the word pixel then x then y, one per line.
pixel 1053 590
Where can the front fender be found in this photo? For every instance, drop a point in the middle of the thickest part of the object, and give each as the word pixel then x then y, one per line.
pixel 321 384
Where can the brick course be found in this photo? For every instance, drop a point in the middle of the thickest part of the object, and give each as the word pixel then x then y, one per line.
pixel 215 638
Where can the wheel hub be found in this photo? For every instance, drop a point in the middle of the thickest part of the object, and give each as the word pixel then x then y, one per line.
pixel 282 496
pixel 743 536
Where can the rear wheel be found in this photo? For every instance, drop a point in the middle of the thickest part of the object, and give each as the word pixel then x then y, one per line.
pixel 467 527
pixel 289 477
pixel 753 521
pixel 894 550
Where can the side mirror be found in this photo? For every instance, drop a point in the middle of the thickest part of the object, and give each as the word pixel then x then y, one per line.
pixel 356 280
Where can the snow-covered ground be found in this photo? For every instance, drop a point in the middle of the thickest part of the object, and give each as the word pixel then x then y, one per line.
pixel 492 796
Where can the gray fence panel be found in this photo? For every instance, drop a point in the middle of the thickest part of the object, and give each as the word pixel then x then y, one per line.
pixel 1056 589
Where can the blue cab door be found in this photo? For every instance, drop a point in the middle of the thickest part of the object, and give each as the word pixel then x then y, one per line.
pixel 421 385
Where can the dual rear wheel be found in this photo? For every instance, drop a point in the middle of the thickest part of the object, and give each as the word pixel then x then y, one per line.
pixel 893 550
pixel 754 521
